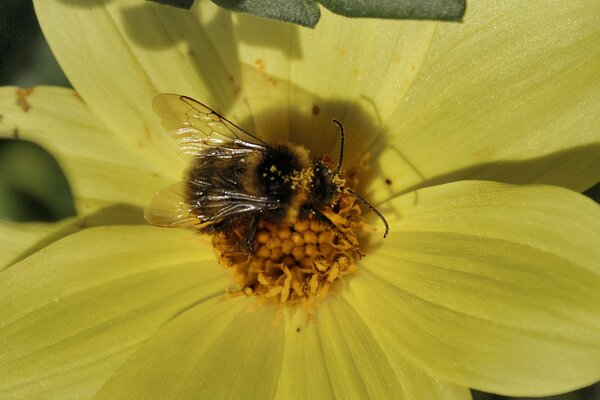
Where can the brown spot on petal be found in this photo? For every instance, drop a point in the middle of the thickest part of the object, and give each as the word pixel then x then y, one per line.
pixel 15 133
pixel 341 52
pixel 388 182
pixel 260 64
pixel 22 95
pixel 315 110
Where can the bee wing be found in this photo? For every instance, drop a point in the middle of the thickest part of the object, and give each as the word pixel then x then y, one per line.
pixel 168 208
pixel 197 128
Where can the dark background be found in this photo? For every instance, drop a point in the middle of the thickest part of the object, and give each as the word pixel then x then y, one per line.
pixel 31 184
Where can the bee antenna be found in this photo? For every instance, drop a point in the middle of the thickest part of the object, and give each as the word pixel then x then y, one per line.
pixel 339 165
pixel 374 210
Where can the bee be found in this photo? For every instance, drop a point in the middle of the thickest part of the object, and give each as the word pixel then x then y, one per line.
pixel 236 180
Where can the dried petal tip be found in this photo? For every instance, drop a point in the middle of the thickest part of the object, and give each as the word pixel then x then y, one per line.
pixel 299 263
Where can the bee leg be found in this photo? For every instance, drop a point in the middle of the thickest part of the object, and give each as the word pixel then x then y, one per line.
pixel 251 233
pixel 319 216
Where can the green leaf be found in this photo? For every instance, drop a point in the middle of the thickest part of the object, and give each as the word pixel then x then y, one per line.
pixel 187 4
pixel 306 12
pixel 448 10
pixel 301 12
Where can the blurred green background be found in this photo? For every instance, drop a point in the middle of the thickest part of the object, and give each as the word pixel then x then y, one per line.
pixel 32 187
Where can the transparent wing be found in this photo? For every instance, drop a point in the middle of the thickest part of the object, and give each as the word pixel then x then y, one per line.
pixel 197 128
pixel 169 208
pixel 218 209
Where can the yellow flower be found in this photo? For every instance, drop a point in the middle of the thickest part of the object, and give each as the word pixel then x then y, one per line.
pixel 479 284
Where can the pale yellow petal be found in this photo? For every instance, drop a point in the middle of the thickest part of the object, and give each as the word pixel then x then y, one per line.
pixel 72 313
pixel 336 356
pixel 218 349
pixel 19 238
pixel 492 286
pixel 230 349
pixel 355 70
pixel 119 54
pixel 509 95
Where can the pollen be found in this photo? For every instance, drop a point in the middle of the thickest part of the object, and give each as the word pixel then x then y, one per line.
pixel 300 179
pixel 300 263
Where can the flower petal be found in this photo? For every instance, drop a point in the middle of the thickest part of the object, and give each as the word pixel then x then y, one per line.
pixel 118 55
pixel 509 95
pixel 338 357
pixel 490 285
pixel 230 350
pixel 19 238
pixel 296 80
pixel 218 349
pixel 73 313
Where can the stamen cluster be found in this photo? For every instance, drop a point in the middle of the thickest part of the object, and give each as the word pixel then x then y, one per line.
pixel 296 263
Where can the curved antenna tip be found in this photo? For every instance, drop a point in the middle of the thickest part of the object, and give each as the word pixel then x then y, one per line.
pixel 374 210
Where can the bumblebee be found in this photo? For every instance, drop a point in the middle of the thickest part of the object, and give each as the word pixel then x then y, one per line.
pixel 236 180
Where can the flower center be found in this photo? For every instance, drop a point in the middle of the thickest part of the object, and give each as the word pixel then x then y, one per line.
pixel 297 263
